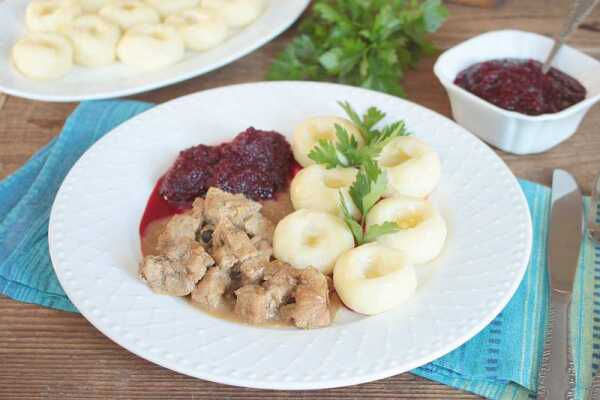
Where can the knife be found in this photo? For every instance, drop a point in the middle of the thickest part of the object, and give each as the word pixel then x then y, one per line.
pixel 564 240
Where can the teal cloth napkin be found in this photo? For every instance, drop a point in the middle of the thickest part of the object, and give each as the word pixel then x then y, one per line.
pixel 499 363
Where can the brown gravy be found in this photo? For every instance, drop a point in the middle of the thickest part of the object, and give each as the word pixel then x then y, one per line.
pixel 274 210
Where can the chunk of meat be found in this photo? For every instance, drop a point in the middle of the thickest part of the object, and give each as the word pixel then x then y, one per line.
pixel 180 226
pixel 166 276
pixel 197 261
pixel 275 266
pixel 254 304
pixel 280 282
pixel 259 226
pixel 198 209
pixel 224 257
pixel 231 244
pixel 263 246
pixel 226 234
pixel 176 272
pixel 311 306
pixel 252 270
pixel 234 207
pixel 209 292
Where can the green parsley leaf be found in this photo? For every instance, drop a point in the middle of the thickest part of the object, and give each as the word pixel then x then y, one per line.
pixel 368 43
pixel 372 117
pixel 377 185
pixel 354 226
pixel 325 153
pixel 369 186
pixel 346 152
pixel 375 139
pixel 374 231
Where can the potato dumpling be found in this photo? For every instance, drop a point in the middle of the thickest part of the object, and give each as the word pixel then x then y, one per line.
pixel 318 188
pixel 422 229
pixel 413 167
pixel 170 7
pixel 308 238
pixel 150 47
pixel 372 278
pixel 200 29
pixel 92 6
pixel 43 55
pixel 129 13
pixel 310 131
pixel 50 15
pixel 237 13
pixel 94 40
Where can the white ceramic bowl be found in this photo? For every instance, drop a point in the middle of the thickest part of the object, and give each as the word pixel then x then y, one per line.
pixel 508 130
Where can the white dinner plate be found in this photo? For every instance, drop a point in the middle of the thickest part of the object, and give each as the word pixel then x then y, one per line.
pixel 95 246
pixel 119 80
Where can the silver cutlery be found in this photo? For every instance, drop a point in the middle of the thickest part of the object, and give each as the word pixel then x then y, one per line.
pixel 564 239
pixel 579 11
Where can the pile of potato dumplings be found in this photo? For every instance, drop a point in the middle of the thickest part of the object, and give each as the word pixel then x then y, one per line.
pixel 374 277
pixel 143 34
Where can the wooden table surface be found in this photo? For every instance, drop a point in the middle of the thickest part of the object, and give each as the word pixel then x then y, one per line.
pixel 57 355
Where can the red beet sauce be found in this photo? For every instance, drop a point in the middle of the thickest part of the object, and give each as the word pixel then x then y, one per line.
pixel 157 208
pixel 255 163
pixel 519 85
pixel 258 164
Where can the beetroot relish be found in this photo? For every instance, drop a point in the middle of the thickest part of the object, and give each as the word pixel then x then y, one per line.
pixel 519 85
pixel 158 208
pixel 256 163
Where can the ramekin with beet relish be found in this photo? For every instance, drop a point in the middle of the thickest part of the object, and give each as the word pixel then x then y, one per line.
pixel 497 90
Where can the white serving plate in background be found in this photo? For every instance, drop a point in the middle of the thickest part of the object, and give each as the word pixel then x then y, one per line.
pixel 119 80
pixel 95 246
pixel 508 130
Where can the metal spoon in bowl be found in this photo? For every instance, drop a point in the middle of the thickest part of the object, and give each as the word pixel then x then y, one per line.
pixel 579 11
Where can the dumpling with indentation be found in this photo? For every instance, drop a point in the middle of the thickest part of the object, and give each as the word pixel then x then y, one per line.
pixel 150 47
pixel 43 55
pixel 170 7
pixel 200 28
pixel 237 13
pixel 422 230
pixel 129 13
pixel 94 40
pixel 371 279
pixel 50 15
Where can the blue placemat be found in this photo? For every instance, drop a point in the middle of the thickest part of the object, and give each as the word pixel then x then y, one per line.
pixel 500 362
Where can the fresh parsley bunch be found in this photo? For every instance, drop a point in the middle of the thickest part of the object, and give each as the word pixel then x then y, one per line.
pixel 346 152
pixel 371 181
pixel 368 43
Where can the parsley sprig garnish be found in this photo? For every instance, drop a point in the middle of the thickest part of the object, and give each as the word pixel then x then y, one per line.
pixel 365 192
pixel 368 43
pixel 346 151
pixel 371 180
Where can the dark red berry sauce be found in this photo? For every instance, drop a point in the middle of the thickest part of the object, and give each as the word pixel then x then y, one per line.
pixel 519 85
pixel 158 208
pixel 256 163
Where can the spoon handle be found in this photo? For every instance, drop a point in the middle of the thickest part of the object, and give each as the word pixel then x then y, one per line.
pixel 579 11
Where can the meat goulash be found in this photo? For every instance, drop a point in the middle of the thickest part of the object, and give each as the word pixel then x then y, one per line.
pixel 222 228
pixel 220 252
